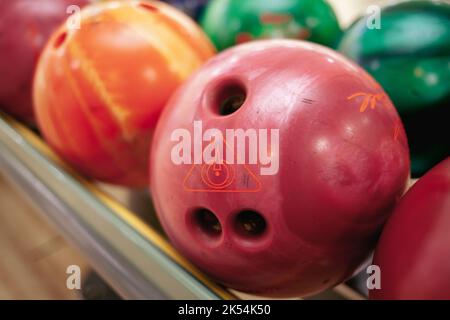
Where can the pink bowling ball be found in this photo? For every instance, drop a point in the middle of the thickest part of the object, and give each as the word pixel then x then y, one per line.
pixel 275 166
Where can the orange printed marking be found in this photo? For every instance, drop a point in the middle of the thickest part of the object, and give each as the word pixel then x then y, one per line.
pixel 227 181
pixel 370 99
pixel 219 177
pixel 397 129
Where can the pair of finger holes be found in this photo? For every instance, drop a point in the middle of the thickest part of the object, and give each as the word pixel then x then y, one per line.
pixel 228 97
pixel 247 224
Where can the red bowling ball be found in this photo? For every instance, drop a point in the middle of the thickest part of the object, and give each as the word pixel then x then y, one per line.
pixel 25 26
pixel 414 249
pixel 275 166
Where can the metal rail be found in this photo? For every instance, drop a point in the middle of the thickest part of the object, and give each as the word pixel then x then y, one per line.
pixel 134 258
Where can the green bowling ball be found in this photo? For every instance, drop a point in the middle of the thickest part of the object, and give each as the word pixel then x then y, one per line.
pixel 230 22
pixel 410 57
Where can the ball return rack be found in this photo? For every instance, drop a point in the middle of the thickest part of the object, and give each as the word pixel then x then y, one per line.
pixel 133 256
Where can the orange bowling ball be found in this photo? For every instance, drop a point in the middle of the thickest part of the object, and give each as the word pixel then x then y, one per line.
pixel 100 86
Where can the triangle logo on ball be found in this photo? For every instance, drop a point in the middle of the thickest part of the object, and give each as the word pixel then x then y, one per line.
pixel 221 176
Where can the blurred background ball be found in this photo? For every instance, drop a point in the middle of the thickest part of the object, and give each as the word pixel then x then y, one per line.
pixel 410 57
pixel 230 22
pixel 414 249
pixel 99 89
pixel 348 11
pixel 25 26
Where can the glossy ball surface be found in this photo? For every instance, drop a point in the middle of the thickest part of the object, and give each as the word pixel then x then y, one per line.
pixel 230 22
pixel 99 90
pixel 25 26
pixel 410 57
pixel 413 251
pixel 343 163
